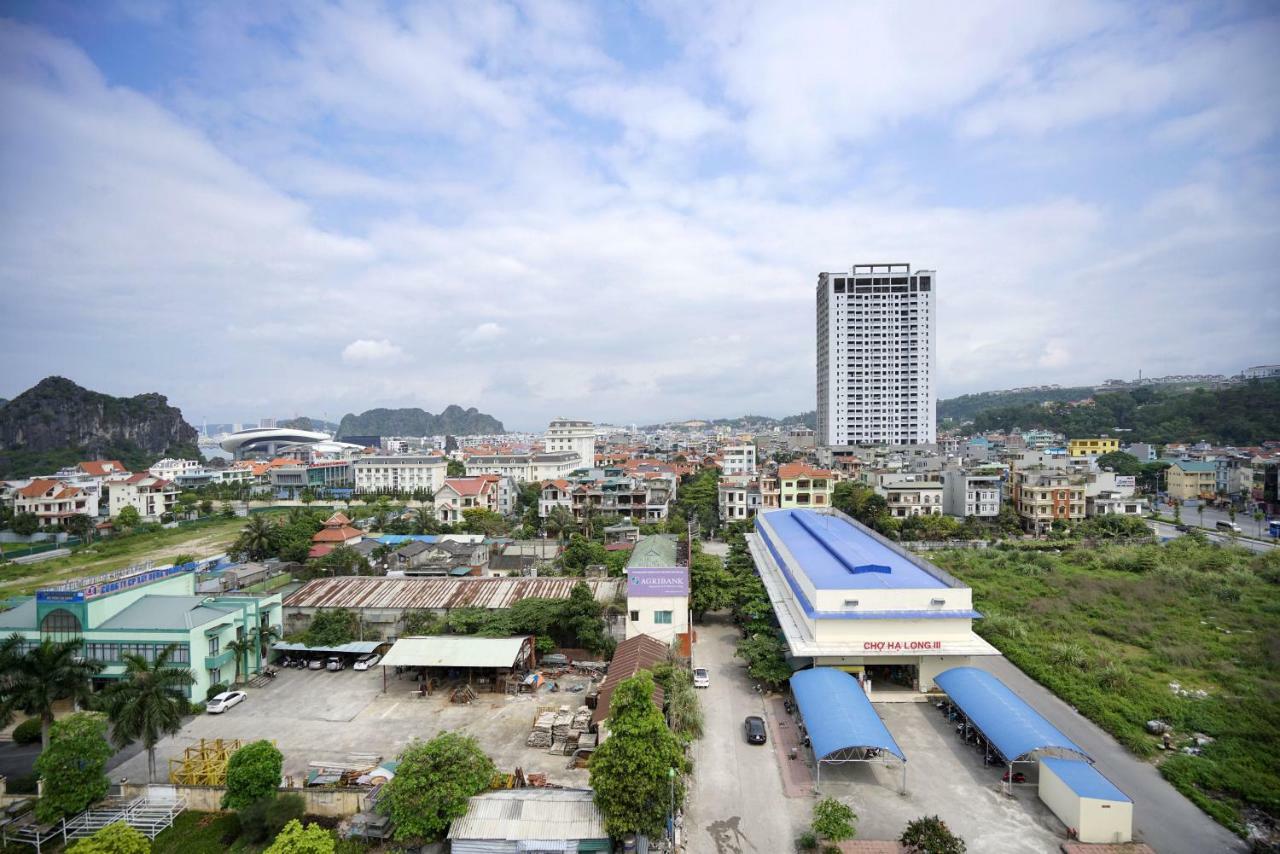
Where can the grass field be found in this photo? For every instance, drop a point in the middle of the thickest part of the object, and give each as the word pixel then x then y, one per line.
pixel 1109 628
pixel 205 832
pixel 201 540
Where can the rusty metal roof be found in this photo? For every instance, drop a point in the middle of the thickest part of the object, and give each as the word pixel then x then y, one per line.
pixel 634 654
pixel 440 593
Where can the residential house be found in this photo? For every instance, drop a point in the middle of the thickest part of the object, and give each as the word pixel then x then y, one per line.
pixel 465 493
pixel 967 494
pixel 169 468
pixel 337 531
pixel 1042 496
pixel 151 496
pixel 909 495
pixel 424 473
pixel 1094 447
pixel 1188 480
pixel 738 459
pixel 801 485
pixel 52 501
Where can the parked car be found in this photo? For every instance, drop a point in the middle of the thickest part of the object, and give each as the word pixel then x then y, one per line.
pixel 315 664
pixel 364 662
pixel 754 728
pixel 335 662
pixel 221 702
pixel 1229 527
pixel 1183 527
pixel 701 677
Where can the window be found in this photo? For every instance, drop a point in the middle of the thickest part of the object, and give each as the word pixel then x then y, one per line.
pixel 662 618
pixel 60 625
pixel 213 646
pixel 215 676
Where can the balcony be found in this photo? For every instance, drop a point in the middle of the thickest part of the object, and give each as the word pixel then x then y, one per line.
pixel 212 662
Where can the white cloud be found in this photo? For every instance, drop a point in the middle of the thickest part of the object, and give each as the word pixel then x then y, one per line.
pixel 365 351
pixel 484 333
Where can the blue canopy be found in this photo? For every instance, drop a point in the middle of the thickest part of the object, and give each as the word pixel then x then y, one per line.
pixel 837 713
pixel 1009 723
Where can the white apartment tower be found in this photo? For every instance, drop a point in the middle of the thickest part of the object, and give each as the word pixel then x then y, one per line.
pixel 875 356
pixel 569 434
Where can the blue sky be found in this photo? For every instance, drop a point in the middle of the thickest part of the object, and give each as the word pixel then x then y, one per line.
pixel 619 211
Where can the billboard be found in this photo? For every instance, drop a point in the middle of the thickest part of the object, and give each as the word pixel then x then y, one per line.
pixel 664 581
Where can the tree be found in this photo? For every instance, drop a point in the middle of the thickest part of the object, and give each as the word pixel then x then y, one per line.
pixel 253 774
pixel 80 525
pixel 240 649
pixel 1121 463
pixel 128 517
pixel 343 560
pixel 834 820
pixel 930 835
pixel 47 673
pixel 581 553
pixel 580 615
pixel 560 522
pixel 456 468
pixel 118 838
pixel 478 520
pixel 630 771
pixel 256 539
pixel 766 658
pixel 148 702
pixel 331 627
pixel 206 507
pixel 432 785
pixel 296 839
pixel 711 585
pixel 25 524
pixel 265 636
pixel 684 715
pixel 73 766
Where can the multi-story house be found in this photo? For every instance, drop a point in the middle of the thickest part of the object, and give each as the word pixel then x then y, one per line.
pixel 170 468
pixel 555 493
pixel 1188 480
pixel 531 467
pixel 416 473
pixel 465 493
pixel 875 345
pixel 971 494
pixel 908 495
pixel 801 485
pixel 52 501
pixel 738 459
pixel 151 496
pixel 573 436
pixel 1092 447
pixel 1042 496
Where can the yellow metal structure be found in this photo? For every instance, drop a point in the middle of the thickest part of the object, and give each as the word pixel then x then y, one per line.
pixel 203 764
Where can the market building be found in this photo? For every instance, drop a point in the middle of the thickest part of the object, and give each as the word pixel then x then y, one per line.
pixel 140 611
pixel 848 598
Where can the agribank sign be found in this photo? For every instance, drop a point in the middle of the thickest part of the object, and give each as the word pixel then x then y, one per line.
pixel 665 581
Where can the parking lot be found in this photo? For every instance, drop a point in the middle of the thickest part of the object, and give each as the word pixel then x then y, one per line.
pixel 322 716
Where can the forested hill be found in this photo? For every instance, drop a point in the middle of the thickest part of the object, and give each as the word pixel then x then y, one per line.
pixel 1244 414
pixel 967 406
pixel 453 421
pixel 56 423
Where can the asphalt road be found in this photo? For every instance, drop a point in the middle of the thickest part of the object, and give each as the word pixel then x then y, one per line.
pixel 1164 529
pixel 736 804
pixel 1162 817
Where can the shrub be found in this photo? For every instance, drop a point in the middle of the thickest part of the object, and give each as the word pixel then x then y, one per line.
pixel 253 774
pixel 930 835
pixel 807 841
pixel 296 839
pixel 834 820
pixel 27 732
pixel 118 838
pixel 284 809
pixel 253 820
pixel 215 690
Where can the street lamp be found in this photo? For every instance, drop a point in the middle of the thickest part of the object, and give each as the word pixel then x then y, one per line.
pixel 671 811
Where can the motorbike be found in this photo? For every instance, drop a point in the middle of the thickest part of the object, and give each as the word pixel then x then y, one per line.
pixel 1018 777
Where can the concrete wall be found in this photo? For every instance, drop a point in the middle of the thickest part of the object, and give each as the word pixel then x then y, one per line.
pixel 329 802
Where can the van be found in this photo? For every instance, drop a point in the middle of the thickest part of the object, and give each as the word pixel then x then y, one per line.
pixel 1229 527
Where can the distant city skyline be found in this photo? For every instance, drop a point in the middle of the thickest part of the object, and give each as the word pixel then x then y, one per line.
pixel 619 212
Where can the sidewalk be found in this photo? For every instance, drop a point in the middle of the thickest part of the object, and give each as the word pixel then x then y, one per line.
pixel 797 776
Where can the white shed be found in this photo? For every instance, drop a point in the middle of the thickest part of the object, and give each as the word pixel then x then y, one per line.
pixel 530 821
pixel 1085 801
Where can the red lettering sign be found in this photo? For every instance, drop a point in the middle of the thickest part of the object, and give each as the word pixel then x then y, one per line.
pixel 900 646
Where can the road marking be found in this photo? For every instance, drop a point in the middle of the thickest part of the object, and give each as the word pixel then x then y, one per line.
pixel 390 710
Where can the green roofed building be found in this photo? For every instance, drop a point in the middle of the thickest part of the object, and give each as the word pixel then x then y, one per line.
pixel 141 610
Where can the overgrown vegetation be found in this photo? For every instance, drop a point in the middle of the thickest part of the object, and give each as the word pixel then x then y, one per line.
pixel 1187 633
pixel 433 783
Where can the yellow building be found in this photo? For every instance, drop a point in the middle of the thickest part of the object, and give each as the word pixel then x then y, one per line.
pixel 1092 447
pixel 1191 479
pixel 805 486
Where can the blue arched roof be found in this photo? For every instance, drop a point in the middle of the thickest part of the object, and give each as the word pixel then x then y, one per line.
pixel 1009 723
pixel 837 713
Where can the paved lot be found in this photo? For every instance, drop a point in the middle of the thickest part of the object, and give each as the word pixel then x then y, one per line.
pixel 737 804
pixel 318 716
pixel 1162 817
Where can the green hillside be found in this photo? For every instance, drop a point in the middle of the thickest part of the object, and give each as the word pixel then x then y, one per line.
pixel 967 406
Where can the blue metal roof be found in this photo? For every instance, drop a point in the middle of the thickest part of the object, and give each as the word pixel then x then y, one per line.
pixel 1009 723
pixel 399 539
pixel 835 555
pixel 837 713
pixel 1085 780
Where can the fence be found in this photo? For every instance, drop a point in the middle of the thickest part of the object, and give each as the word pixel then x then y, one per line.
pixel 12 551
pixel 320 801
pixel 929 545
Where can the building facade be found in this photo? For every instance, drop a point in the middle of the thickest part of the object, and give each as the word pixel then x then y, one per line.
pixel 570 435
pixel 1191 479
pixel 151 496
pixel 911 497
pixel 53 501
pixel 801 485
pixel 1043 496
pixel 966 495
pixel 400 474
pixel 658 591
pixel 525 468
pixel 1092 447
pixel 738 459
pixel 875 353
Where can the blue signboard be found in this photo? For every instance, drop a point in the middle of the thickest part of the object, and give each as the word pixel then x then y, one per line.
pixel 59 595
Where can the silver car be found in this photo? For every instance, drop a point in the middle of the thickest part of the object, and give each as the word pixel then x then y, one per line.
pixel 701 677
pixel 221 702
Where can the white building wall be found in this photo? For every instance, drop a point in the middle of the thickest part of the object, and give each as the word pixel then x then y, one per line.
pixel 399 473
pixel 574 435
pixel 1094 821
pixel 646 606
pixel 876 344
pixel 739 459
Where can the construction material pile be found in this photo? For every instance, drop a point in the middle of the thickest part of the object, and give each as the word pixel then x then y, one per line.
pixel 541 735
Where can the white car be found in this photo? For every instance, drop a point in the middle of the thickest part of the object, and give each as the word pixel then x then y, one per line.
pixel 364 662
pixel 221 702
pixel 701 677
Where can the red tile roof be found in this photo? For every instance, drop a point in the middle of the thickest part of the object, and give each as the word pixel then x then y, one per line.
pixel 38 487
pixel 468 485
pixel 319 550
pixel 337 520
pixel 101 468
pixel 793 470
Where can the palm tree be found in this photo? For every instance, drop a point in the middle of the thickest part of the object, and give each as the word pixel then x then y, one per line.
pixel 42 676
pixel 265 635
pixel 148 703
pixel 560 521
pixel 255 538
pixel 241 647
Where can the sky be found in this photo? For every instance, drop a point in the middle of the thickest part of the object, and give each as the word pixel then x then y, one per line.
pixel 618 211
